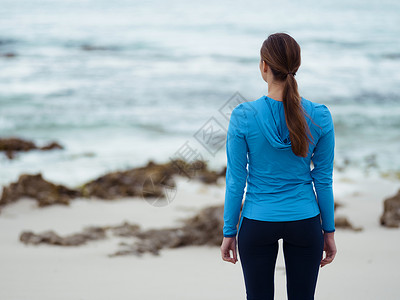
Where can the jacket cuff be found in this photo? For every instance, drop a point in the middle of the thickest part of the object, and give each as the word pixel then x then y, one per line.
pixel 229 235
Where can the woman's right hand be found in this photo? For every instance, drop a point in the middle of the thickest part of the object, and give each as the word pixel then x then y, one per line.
pixel 228 246
pixel 329 248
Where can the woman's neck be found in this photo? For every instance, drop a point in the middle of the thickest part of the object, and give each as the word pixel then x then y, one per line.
pixel 275 91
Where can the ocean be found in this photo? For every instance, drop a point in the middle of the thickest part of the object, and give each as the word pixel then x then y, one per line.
pixel 119 83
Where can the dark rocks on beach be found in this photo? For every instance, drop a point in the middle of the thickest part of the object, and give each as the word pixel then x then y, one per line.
pixel 91 233
pixel 125 229
pixel 13 144
pixel 34 186
pixel 343 223
pixel 205 228
pixel 51 146
pixel 199 171
pixel 149 181
pixel 52 238
pixel 152 180
pixel 223 172
pixel 391 212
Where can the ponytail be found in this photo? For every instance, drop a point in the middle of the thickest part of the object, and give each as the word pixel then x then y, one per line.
pixel 299 131
pixel 282 53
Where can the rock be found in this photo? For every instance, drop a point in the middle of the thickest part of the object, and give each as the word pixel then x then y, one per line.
pixel 49 237
pixel 13 144
pixel 336 205
pixel 16 144
pixel 391 212
pixel 34 186
pixel 344 223
pixel 28 237
pixel 222 172
pixel 52 238
pixel 137 249
pixel 88 234
pixel 151 180
pixel 148 181
pixel 197 170
pixel 50 146
pixel 207 176
pixel 125 230
pixel 91 233
pixel 205 228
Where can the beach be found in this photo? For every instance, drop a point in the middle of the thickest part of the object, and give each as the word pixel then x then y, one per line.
pixel 364 268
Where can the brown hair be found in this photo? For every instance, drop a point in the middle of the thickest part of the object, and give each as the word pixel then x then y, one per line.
pixel 282 54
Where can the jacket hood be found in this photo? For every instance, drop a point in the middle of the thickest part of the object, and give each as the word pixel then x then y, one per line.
pixel 270 116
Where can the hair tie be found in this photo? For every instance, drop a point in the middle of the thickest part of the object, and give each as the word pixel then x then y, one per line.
pixel 291 73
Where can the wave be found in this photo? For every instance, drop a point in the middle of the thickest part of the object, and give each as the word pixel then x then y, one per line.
pixel 391 56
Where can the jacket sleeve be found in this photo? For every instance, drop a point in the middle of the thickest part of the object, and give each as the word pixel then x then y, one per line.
pixel 236 170
pixel 322 173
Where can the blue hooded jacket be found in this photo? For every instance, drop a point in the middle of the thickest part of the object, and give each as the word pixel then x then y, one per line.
pixel 280 185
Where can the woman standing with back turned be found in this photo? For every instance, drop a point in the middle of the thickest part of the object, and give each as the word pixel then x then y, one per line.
pixel 270 144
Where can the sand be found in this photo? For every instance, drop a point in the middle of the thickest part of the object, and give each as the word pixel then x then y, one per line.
pixel 365 267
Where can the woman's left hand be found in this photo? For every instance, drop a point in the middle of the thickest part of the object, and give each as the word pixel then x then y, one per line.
pixel 228 245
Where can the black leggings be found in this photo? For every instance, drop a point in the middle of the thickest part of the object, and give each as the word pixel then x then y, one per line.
pixel 303 244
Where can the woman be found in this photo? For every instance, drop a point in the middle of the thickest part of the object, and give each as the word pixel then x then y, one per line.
pixel 270 144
